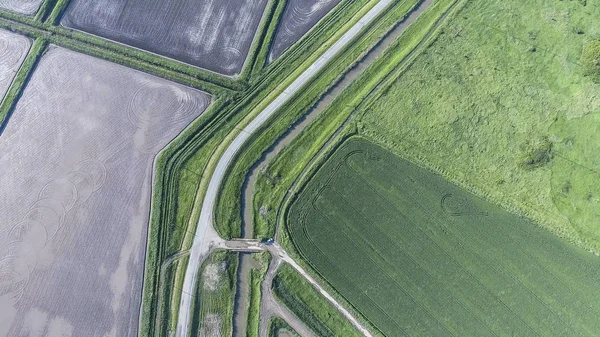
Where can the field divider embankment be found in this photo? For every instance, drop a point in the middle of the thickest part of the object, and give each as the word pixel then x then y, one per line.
pixel 122 54
pixel 20 81
pixel 205 224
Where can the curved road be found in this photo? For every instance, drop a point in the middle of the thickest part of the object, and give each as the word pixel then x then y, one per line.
pixel 206 236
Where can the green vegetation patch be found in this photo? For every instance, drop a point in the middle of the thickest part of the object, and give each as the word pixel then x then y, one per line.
pixel 215 292
pixel 504 104
pixel 590 59
pixel 313 309
pixel 419 256
pixel 280 328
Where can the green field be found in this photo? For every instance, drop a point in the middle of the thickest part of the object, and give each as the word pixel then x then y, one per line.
pixel 507 104
pixel 418 256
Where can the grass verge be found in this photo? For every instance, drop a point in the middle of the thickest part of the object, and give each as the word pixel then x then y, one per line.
pixel 20 80
pixel 256 278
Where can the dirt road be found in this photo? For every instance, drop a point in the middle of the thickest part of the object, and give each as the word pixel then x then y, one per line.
pixel 205 233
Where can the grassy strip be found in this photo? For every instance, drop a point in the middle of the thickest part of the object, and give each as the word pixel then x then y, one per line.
pixel 259 38
pixel 57 12
pixel 257 277
pixel 219 300
pixel 278 325
pixel 228 213
pixel 45 8
pixel 166 322
pixel 273 184
pixel 20 81
pixel 262 54
pixel 37 28
pixel 306 303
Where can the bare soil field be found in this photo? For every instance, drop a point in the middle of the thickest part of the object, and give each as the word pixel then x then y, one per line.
pixel 76 159
pixel 27 7
pixel 299 17
pixel 211 34
pixel 13 49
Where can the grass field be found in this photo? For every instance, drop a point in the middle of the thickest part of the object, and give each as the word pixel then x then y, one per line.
pixel 419 256
pixel 505 104
pixel 213 308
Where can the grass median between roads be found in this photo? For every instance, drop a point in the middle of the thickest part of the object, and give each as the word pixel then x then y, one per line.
pixel 307 304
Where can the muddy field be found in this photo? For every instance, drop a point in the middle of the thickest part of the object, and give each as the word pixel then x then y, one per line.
pixel 299 17
pixel 211 34
pixel 76 160
pixel 28 7
pixel 13 49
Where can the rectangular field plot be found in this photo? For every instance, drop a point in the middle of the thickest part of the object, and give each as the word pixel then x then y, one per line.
pixel 13 49
pixel 27 7
pixel 211 34
pixel 76 159
pixel 418 256
pixel 298 18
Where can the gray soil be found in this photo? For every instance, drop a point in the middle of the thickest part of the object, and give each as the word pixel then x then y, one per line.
pixel 13 49
pixel 211 34
pixel 27 7
pixel 298 18
pixel 315 111
pixel 76 159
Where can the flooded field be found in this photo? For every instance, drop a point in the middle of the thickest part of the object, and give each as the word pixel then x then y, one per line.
pixel 76 159
pixel 299 17
pixel 13 49
pixel 28 7
pixel 211 34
